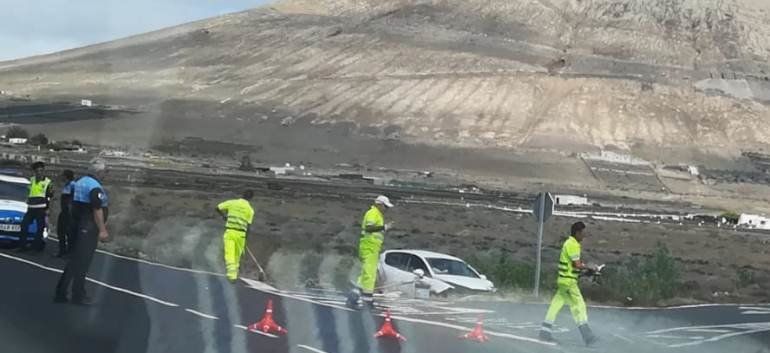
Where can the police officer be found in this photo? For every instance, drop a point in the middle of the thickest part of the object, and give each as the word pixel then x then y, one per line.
pixel 373 229
pixel 64 222
pixel 568 292
pixel 40 193
pixel 238 215
pixel 89 207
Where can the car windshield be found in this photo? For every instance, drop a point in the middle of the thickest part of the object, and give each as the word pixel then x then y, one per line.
pixel 451 267
pixel 13 191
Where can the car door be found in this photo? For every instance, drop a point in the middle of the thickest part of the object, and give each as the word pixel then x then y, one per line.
pixel 436 286
pixel 394 269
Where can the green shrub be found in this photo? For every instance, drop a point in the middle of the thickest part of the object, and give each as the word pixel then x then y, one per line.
pixel 644 281
pixel 507 273
pixel 745 278
pixel 731 217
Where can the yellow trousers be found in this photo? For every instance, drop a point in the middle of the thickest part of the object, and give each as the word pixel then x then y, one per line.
pixel 234 243
pixel 369 254
pixel 568 292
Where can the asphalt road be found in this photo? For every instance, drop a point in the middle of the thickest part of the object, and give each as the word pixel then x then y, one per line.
pixel 145 307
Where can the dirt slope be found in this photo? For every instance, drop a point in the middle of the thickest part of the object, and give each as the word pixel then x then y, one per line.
pixel 557 74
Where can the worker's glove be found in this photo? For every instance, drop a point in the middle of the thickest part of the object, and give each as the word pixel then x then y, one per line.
pixel 388 226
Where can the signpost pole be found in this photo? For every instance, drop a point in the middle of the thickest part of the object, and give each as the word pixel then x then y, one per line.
pixel 539 242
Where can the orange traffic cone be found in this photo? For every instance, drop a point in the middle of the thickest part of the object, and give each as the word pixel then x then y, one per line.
pixel 477 334
pixel 387 329
pixel 267 324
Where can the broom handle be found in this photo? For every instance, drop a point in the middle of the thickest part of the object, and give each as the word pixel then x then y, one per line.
pixel 255 259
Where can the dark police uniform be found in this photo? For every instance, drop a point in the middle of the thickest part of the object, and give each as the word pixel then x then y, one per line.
pixel 64 223
pixel 89 195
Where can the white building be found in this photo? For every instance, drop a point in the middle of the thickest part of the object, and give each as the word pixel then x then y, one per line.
pixel 86 103
pixel 613 157
pixel 573 200
pixel 17 141
pixel 754 221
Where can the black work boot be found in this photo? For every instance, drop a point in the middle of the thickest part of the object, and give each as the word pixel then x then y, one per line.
pixel 546 332
pixel 588 336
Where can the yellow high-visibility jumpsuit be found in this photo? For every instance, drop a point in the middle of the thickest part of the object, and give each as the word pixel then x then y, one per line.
pixel 239 217
pixel 567 290
pixel 369 250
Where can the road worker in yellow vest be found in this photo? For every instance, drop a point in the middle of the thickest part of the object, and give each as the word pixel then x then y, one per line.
pixel 373 229
pixel 567 291
pixel 238 215
pixel 40 194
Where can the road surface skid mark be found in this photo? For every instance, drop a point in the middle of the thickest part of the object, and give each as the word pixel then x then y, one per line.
pixel 696 335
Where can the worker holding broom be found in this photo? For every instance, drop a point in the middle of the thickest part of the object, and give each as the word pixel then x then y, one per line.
pixel 238 215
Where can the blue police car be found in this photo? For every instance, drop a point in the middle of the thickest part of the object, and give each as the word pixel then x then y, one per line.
pixel 13 205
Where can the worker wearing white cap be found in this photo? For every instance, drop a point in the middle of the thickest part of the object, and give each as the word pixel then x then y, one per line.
pixel 373 229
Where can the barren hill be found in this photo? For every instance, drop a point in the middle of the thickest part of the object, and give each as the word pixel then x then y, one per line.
pixel 567 75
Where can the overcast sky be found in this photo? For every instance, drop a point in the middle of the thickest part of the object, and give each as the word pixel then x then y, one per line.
pixel 31 27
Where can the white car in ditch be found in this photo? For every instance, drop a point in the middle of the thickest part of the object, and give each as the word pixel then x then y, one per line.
pixel 444 274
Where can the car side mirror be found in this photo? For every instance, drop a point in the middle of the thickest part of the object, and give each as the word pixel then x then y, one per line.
pixel 484 277
pixel 419 273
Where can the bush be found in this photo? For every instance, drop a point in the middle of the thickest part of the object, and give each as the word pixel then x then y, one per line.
pixel 506 273
pixel 731 217
pixel 38 140
pixel 16 132
pixel 745 278
pixel 645 281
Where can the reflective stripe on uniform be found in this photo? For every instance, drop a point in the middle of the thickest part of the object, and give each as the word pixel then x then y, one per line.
pixel 239 214
pixel 569 252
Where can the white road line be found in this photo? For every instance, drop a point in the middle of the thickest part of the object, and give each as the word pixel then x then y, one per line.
pixel 140 295
pixel 255 331
pixel 623 338
pixel 759 308
pixel 708 330
pixel 201 314
pixel 123 290
pixel 719 338
pixel 668 337
pixel 751 325
pixel 160 265
pixel 633 308
pixel 152 263
pixel 464 329
pixel 316 350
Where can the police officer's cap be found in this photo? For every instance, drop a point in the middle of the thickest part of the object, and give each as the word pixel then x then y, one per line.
pixel 38 165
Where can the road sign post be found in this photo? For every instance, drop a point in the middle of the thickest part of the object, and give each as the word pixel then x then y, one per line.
pixel 543 209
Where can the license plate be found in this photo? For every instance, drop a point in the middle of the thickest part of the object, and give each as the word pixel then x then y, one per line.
pixel 10 227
